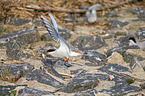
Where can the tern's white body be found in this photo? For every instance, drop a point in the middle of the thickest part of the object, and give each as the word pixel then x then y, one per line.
pixel 140 44
pixel 64 50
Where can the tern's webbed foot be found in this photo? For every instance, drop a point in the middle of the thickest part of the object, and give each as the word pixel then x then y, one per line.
pixel 67 64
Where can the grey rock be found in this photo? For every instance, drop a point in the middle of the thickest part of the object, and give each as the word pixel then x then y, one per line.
pixel 112 14
pixel 129 57
pixel 118 24
pixel 94 76
pixel 77 85
pixel 144 68
pixel 140 19
pixel 138 11
pixel 6 90
pixel 44 78
pixel 122 41
pixel 17 21
pixel 33 92
pixel 48 65
pixel 133 59
pixel 120 75
pixel 95 58
pixel 140 34
pixel 88 42
pixel 25 36
pixel 114 67
pixel 142 86
pixel 119 81
pixel 1 28
pixel 17 54
pixel 120 89
pixel 38 22
pixel 87 93
pixel 78 71
pixel 13 72
pixel 63 33
pixel 120 50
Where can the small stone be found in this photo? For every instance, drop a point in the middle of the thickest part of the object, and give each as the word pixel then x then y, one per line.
pixel 111 36
pixel 115 58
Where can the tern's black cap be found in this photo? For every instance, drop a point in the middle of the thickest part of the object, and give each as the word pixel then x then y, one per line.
pixel 132 38
pixel 51 50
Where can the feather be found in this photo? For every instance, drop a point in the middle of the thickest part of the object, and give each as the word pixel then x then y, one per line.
pixel 53 32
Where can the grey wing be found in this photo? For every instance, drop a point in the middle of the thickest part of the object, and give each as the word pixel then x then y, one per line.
pixel 52 30
pixel 94 7
pixel 54 23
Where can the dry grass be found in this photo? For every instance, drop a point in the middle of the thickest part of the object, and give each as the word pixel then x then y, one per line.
pixel 13 8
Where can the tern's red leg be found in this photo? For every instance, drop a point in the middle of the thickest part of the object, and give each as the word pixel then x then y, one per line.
pixel 66 60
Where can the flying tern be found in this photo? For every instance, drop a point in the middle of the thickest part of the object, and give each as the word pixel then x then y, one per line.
pixel 64 50
pixel 91 13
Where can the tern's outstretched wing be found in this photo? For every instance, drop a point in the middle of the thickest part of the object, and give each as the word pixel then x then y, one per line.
pixel 54 23
pixel 94 7
pixel 85 7
pixel 53 30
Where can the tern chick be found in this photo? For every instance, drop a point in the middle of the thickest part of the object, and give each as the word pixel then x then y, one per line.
pixel 64 50
pixel 91 13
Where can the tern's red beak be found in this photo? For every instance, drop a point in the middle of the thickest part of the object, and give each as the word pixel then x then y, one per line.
pixel 127 40
pixel 46 53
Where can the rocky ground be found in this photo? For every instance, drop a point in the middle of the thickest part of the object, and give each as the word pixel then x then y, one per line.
pixel 106 68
